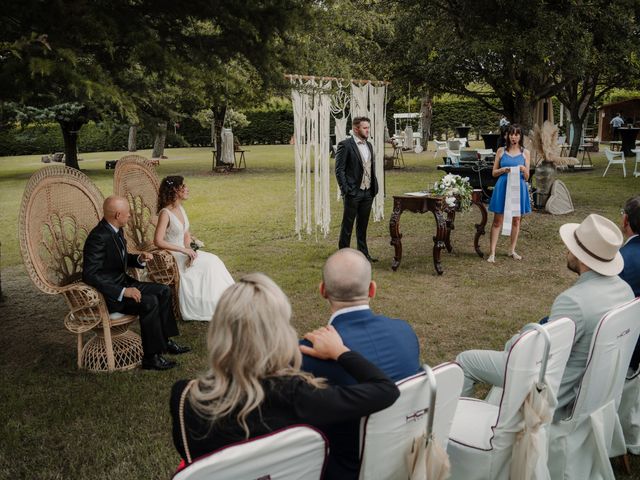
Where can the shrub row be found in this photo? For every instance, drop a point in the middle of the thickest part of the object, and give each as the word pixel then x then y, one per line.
pixel 266 127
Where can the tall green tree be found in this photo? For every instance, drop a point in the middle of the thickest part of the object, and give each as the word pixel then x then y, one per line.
pixel 492 49
pixel 606 55
pixel 90 43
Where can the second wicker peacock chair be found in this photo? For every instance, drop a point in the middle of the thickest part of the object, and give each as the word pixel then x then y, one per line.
pixel 136 180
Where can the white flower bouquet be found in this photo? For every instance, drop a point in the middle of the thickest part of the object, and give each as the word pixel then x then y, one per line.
pixel 456 191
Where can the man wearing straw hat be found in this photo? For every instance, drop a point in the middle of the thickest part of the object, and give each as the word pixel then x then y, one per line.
pixel 593 253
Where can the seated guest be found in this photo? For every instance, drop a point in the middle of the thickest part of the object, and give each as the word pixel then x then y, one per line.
pixel 593 253
pixel 254 385
pixel 105 263
pixel 631 254
pixel 390 344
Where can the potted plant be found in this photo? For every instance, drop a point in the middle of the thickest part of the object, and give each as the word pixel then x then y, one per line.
pixel 544 143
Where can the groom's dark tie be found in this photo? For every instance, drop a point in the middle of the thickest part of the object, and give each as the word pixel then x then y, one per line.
pixel 123 245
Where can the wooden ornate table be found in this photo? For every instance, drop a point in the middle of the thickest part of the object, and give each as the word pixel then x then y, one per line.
pixel 444 216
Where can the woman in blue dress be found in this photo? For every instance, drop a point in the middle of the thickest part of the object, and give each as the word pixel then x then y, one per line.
pixel 512 155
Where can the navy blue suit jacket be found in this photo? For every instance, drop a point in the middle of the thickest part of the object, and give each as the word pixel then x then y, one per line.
pixel 631 274
pixel 388 343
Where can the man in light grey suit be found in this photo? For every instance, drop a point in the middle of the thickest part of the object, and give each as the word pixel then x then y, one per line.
pixel 593 253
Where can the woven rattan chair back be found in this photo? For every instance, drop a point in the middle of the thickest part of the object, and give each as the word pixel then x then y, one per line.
pixel 136 180
pixel 60 206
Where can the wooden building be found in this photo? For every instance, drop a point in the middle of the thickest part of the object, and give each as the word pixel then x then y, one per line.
pixel 630 111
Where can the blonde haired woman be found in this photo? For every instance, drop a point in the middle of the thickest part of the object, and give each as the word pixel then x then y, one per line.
pixel 254 385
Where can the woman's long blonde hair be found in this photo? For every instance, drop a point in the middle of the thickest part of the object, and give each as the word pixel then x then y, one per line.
pixel 250 339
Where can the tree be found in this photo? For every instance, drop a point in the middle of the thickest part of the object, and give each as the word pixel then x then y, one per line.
pixel 91 43
pixel 606 56
pixel 485 50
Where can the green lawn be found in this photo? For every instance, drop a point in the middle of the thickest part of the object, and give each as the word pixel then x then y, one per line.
pixel 57 422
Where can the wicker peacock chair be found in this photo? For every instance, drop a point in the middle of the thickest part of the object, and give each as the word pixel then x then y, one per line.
pixel 59 208
pixel 136 180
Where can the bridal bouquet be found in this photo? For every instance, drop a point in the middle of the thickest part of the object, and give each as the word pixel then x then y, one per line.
pixel 196 244
pixel 455 190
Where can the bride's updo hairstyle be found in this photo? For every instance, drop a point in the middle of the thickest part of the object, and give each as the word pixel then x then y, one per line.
pixel 169 190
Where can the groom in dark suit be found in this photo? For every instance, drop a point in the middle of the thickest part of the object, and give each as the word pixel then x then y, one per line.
pixel 356 175
pixel 105 266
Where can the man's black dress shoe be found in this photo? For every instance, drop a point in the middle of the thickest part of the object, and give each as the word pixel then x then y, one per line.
pixel 174 349
pixel 371 259
pixel 157 362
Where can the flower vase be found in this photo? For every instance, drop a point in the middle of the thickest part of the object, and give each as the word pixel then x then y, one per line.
pixel 545 176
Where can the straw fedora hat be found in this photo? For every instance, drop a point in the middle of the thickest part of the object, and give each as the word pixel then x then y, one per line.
pixel 595 242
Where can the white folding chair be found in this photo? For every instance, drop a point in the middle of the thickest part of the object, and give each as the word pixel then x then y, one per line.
pixel 386 437
pixel 636 172
pixel 441 146
pixel 613 158
pixel 482 436
pixel 580 445
pixel 453 157
pixel 291 453
pixel 629 412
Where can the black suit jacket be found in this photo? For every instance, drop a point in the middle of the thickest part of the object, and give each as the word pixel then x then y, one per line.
pixel 349 169
pixel 104 267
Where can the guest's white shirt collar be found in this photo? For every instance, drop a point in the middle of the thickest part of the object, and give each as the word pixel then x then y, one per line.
pixel 357 308
pixel 115 229
pixel 630 238
pixel 358 140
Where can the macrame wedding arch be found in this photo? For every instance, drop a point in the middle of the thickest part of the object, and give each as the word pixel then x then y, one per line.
pixel 314 100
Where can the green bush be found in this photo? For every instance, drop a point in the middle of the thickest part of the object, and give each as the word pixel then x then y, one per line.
pixel 269 124
pixel 93 137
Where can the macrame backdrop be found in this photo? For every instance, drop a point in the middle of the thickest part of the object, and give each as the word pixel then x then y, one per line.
pixel 369 101
pixel 311 110
pixel 314 100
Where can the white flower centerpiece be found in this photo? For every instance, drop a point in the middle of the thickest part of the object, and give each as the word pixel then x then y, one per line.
pixel 456 191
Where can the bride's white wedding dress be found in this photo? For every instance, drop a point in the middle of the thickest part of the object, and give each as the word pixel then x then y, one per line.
pixel 201 282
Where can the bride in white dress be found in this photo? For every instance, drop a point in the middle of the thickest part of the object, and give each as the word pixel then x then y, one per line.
pixel 203 276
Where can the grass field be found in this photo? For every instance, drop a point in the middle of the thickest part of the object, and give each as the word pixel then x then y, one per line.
pixel 59 423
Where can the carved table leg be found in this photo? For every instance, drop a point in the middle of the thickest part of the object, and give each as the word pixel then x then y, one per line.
pixel 396 236
pixel 439 240
pixel 477 200
pixel 451 217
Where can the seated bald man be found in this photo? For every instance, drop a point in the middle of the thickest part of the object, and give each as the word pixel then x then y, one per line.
pixel 390 344
pixel 105 266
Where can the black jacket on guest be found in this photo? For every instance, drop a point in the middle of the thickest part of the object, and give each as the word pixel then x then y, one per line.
pixel 288 401
pixel 105 267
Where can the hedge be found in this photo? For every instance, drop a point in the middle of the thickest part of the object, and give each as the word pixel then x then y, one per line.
pixel 93 137
pixel 266 127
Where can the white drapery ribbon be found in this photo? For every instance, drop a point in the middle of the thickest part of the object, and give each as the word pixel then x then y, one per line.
pixel 511 199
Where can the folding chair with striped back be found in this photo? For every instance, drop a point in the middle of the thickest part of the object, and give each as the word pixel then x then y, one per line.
pixel 580 445
pixel 393 440
pixel 292 453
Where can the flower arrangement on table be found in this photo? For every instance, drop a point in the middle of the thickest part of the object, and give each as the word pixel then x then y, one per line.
pixel 455 190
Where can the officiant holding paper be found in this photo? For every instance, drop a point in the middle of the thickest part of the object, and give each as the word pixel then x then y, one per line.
pixel 510 198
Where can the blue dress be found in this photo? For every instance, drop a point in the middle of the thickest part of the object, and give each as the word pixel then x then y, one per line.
pixel 500 190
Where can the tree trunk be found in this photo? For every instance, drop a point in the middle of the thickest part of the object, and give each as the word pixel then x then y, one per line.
pixel 70 131
pixel 161 137
pixel 523 114
pixel 218 122
pixel 133 133
pixel 426 115
pixel 576 123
